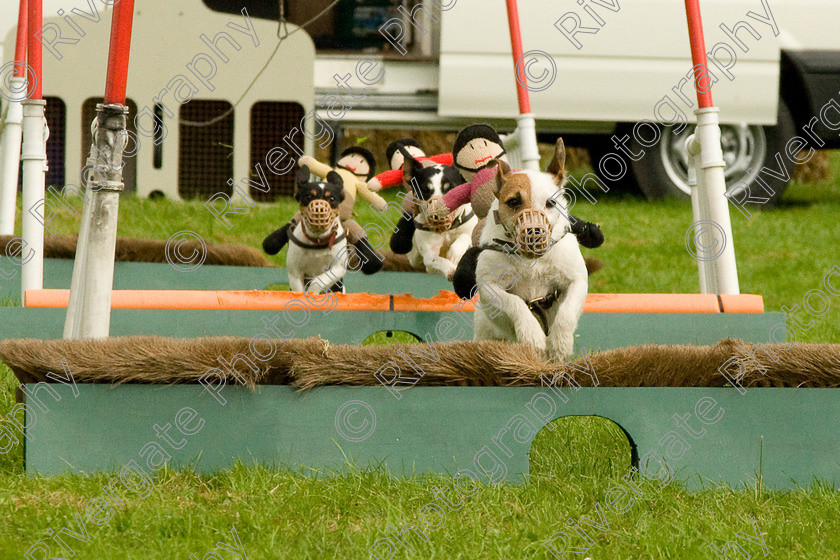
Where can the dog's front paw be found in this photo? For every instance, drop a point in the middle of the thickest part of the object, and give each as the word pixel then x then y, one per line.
pixel 559 348
pixel 445 268
pixel 533 335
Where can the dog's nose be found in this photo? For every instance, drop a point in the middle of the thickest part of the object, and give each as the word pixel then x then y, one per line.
pixel 535 231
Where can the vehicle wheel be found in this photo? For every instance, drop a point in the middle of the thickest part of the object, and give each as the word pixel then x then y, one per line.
pixel 663 171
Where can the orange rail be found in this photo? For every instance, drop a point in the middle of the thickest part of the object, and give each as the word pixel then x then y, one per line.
pixel 444 301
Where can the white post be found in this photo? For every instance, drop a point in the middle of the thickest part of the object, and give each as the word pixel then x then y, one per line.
pixel 71 324
pixel 711 205
pixel 89 312
pixel 526 128
pixel 10 155
pixel 692 146
pixel 34 157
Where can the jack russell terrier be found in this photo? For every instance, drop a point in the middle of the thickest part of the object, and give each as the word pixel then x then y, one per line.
pixel 438 243
pixel 533 267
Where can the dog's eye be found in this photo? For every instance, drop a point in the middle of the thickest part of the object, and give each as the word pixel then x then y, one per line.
pixel 514 203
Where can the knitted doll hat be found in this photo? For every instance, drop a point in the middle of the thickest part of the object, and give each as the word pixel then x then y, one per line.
pixel 365 154
pixel 394 146
pixel 465 149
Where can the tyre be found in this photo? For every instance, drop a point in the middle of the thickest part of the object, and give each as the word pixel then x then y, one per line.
pixel 663 171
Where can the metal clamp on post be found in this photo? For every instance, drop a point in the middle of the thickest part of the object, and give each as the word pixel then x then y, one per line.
pixel 108 131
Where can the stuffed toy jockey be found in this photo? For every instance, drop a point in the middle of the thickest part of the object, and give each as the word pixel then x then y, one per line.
pixel 355 167
pixel 474 147
pixel 394 177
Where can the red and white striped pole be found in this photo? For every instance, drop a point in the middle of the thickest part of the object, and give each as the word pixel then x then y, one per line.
pixel 34 158
pixel 716 261
pixel 89 309
pixel 11 140
pixel 526 130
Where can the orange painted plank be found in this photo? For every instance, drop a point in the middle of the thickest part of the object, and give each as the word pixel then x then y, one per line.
pixel 742 303
pixel 444 301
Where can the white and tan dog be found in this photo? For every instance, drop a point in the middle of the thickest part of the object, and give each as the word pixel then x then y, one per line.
pixel 534 272
pixel 318 257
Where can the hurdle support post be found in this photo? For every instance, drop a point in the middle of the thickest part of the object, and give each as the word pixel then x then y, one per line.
pixel 526 128
pixel 89 307
pixel 10 143
pixel 34 158
pixel 718 272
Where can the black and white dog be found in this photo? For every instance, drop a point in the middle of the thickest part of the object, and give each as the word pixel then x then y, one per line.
pixel 318 256
pixel 438 243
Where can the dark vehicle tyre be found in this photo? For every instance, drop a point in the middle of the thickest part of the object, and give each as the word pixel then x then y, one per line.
pixel 663 171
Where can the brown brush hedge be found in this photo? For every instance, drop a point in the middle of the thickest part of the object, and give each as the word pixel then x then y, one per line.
pixel 313 362
pixel 149 250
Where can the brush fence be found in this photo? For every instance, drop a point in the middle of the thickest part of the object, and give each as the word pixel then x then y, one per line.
pixel 726 413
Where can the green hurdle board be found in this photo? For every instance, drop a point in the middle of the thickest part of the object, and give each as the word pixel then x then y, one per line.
pixel 163 276
pixel 596 331
pixel 787 436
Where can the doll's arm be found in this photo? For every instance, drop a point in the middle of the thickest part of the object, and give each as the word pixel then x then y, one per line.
pixel 315 166
pixel 458 196
pixel 370 196
pixel 386 179
pixel 443 159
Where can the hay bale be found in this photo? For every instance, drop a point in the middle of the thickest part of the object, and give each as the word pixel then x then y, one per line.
pixel 313 362
pixel 816 169
pixel 131 249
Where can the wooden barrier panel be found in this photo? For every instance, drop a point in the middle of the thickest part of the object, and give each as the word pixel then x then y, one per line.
pixel 162 276
pixel 439 429
pixel 596 331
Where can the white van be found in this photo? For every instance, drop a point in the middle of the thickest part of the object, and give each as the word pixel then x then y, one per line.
pixel 598 69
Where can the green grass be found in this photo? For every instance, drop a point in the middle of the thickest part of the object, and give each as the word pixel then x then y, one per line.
pixel 783 252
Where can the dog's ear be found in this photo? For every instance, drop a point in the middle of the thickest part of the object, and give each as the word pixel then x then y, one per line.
pixel 335 179
pixel 410 165
pixel 301 180
pixel 557 166
pixel 502 171
pixel 302 176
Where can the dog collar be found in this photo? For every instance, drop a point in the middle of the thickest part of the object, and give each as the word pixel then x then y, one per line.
pixel 317 243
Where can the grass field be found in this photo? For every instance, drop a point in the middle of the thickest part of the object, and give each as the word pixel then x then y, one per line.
pixel 782 253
